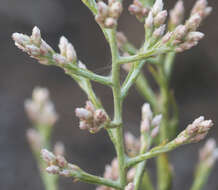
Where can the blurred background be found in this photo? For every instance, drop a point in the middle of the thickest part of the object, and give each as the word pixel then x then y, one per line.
pixel 195 82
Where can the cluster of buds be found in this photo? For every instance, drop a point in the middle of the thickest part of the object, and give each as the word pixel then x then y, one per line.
pixel 201 7
pixel 177 14
pixel 108 14
pixel 91 119
pixel 112 172
pixel 34 45
pixel 183 37
pixel 67 52
pixel 209 153
pixel 40 109
pixel 154 23
pixel 132 144
pixel 195 131
pixel 37 48
pixel 57 164
pixel 137 9
pixel 150 124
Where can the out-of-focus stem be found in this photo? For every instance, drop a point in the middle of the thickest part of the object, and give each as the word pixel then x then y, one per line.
pixel 201 176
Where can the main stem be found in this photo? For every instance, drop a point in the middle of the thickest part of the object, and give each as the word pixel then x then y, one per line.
pixel 163 167
pixel 118 132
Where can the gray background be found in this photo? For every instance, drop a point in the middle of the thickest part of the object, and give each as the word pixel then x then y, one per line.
pixel 195 82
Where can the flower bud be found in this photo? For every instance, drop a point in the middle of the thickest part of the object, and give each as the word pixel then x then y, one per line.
pixel 83 113
pixel 194 36
pixel 59 59
pixel 32 50
pixel 110 22
pixel 36 36
pixel 48 156
pixel 193 22
pixel 177 13
pixel 63 45
pixel 116 9
pixel 149 21
pixel 157 7
pixel 159 31
pixel 53 169
pixel 70 53
pixel 160 18
pixel 156 120
pixel 102 9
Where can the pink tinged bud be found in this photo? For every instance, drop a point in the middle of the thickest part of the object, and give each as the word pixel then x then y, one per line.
pixel 100 116
pixel 130 186
pixel 166 38
pixel 155 132
pixel 157 7
pixel 89 106
pixel 83 113
pixel 177 13
pixel 40 95
pixel 110 22
pixel 160 18
pixel 180 32
pixel 194 36
pixel 61 161
pixel 34 138
pixel 59 149
pixel 32 50
pixel 146 112
pixel 134 9
pixel 159 31
pixel 145 125
pixel 116 9
pixel 53 169
pixel 83 125
pixel 102 9
pixel 36 36
pixel 63 45
pixel 45 48
pixel 149 21
pixel 156 120
pixel 59 59
pixel 193 22
pixel 21 39
pixel 71 53
pixel 48 156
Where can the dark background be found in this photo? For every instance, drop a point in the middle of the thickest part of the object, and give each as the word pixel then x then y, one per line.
pixel 195 82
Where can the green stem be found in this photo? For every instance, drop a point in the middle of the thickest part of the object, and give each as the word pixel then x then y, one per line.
pixel 146 143
pixel 202 173
pixel 119 144
pixel 50 181
pixel 145 90
pixel 131 78
pixel 74 69
pixel 88 178
pixel 163 167
pixel 152 153
pixel 168 65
